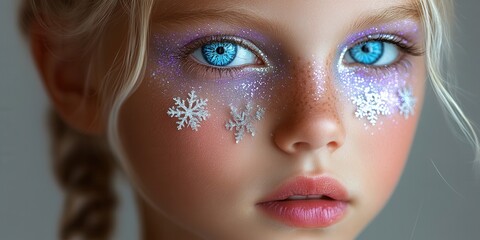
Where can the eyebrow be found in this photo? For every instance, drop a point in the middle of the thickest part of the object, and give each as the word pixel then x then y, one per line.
pixel 245 17
pixel 241 17
pixel 410 10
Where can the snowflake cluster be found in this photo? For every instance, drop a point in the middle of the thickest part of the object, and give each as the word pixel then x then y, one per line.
pixel 190 113
pixel 242 121
pixel 371 104
pixel 406 102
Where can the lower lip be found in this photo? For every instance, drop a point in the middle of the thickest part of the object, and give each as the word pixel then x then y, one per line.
pixel 306 213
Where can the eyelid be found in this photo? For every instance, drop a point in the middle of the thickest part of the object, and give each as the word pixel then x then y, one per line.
pixel 192 46
pixel 404 44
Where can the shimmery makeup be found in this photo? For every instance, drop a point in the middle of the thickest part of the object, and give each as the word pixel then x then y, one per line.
pixel 189 113
pixel 319 78
pixel 173 73
pixel 242 121
pixel 371 104
pixel 374 90
pixel 406 102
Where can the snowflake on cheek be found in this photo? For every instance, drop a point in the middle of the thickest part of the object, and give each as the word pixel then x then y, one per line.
pixel 242 121
pixel 371 104
pixel 407 102
pixel 191 113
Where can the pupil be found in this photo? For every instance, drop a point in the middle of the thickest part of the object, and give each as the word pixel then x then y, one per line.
pixel 365 49
pixel 220 50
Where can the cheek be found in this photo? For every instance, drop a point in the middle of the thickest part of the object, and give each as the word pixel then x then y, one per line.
pixel 390 152
pixel 375 163
pixel 384 156
pixel 387 154
pixel 381 151
pixel 171 167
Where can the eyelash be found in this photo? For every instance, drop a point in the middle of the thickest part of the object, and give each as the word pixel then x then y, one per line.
pixel 193 66
pixel 405 46
pixel 408 47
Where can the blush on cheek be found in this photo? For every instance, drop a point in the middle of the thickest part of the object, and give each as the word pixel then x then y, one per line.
pixel 388 152
pixel 171 167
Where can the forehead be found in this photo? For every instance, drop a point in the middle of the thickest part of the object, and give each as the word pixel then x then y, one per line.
pixel 317 12
pixel 305 20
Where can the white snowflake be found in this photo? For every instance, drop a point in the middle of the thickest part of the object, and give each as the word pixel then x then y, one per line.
pixel 407 102
pixel 242 121
pixel 371 104
pixel 191 113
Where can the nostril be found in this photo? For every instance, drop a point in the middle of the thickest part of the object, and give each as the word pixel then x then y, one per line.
pixel 333 145
pixel 300 146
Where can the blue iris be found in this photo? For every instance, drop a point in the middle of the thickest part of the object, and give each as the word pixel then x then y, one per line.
pixel 219 53
pixel 367 53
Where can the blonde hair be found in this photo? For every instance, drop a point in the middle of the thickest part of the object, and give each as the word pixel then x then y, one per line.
pixel 77 157
pixel 437 21
pixel 84 165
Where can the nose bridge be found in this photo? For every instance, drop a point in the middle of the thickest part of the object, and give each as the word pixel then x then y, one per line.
pixel 312 121
pixel 313 94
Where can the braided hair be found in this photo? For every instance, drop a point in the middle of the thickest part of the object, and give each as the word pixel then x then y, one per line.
pixel 83 167
pixel 83 164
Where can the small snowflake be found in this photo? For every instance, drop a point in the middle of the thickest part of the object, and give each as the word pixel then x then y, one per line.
pixel 242 121
pixel 407 102
pixel 190 114
pixel 371 104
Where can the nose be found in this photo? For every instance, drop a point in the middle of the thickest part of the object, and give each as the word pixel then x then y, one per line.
pixel 311 119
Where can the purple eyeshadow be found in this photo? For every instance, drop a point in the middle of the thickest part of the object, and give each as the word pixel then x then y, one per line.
pixel 171 75
pixel 377 91
pixel 406 28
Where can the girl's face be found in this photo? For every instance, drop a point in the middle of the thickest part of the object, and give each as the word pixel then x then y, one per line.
pixel 273 119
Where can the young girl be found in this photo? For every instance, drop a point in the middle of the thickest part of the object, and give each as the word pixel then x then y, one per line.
pixel 236 119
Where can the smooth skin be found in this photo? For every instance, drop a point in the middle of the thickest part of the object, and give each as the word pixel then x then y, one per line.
pixel 201 185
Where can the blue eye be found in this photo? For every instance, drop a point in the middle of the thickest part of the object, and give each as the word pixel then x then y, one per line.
pixel 219 53
pixel 224 54
pixel 367 53
pixel 376 53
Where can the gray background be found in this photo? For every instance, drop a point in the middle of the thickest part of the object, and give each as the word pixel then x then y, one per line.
pixel 438 196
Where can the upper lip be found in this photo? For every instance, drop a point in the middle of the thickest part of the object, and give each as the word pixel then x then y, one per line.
pixel 308 186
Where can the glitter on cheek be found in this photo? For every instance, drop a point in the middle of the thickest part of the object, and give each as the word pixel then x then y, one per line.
pixel 190 112
pixel 407 102
pixel 377 92
pixel 172 73
pixel 242 121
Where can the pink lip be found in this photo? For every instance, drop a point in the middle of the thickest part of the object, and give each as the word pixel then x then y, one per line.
pixel 307 213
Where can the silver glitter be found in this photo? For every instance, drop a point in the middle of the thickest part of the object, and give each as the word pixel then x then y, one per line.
pixel 242 121
pixel 371 104
pixel 375 90
pixel 174 72
pixel 319 77
pixel 406 102
pixel 191 113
